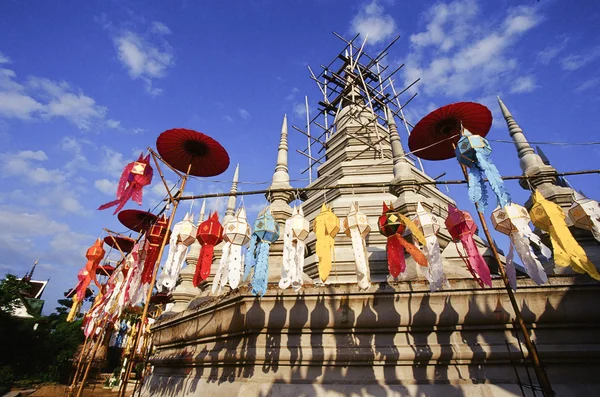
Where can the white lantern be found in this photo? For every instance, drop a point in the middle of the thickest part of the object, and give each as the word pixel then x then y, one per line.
pixel 237 231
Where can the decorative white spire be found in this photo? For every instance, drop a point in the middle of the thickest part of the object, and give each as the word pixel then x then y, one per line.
pixel 281 175
pixel 230 211
pixel 400 160
pixel 202 210
pixel 527 156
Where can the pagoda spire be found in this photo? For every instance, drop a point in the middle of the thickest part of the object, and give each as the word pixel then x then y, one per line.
pixel 398 155
pixel 281 180
pixel 528 158
pixel 29 275
pixel 202 211
pixel 230 211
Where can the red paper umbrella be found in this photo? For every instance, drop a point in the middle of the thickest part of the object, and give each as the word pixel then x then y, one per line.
pixel 124 243
pixel 180 148
pixel 161 298
pixel 435 136
pixel 136 220
pixel 105 270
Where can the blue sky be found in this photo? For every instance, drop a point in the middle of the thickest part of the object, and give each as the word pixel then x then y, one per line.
pixel 83 90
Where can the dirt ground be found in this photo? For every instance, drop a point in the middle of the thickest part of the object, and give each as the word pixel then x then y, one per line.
pixel 89 391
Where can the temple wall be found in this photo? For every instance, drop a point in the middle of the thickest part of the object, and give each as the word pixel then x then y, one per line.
pixel 394 340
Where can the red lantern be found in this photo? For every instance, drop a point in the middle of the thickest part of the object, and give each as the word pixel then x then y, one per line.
pixel 210 233
pixel 392 226
pixel 154 239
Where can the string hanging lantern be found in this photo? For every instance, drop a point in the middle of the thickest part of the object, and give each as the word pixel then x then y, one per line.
pixel 266 232
pixel 182 236
pixel 356 226
pixel 296 231
pixel 549 217
pixel 326 226
pixel 429 225
pixel 513 220
pixel 135 176
pixel 585 214
pixel 461 227
pixel 86 275
pixel 210 233
pixel 474 151
pixel 154 239
pixel 392 224
pixel 236 234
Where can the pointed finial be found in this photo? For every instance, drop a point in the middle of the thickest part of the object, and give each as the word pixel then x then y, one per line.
pixel 230 212
pixel 202 211
pixel 527 156
pixel 398 155
pixel 281 169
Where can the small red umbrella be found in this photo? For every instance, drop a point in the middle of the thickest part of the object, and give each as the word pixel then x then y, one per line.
pixel 105 270
pixel 180 147
pixel 137 220
pixel 124 243
pixel 161 298
pixel 435 136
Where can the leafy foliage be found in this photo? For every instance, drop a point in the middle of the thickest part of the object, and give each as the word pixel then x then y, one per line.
pixel 29 355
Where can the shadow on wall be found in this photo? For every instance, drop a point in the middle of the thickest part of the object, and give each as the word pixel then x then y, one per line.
pixel 362 354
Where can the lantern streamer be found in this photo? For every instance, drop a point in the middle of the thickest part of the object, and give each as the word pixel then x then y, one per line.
pixel 326 227
pixel 462 228
pixel 182 236
pixel 435 272
pixel 221 275
pixel 295 232
pixel 549 217
pixel 474 152
pixel 356 226
pixel 210 233
pixel 135 176
pixel 266 232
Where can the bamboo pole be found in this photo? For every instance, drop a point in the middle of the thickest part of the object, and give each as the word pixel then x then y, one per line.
pixel 531 349
pixel 78 367
pixel 89 365
pixel 176 199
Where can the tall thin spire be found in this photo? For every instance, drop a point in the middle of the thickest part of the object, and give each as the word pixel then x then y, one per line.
pixel 202 211
pixel 281 180
pixel 281 169
pixel 29 275
pixel 230 211
pixel 397 150
pixel 527 156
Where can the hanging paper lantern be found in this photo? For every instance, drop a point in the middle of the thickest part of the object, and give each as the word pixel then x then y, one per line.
pixel 85 276
pixel 135 176
pixel 210 233
pixel 392 224
pixel 356 226
pixel 266 232
pixel 429 225
pixel 326 226
pixel 236 233
pixel 585 214
pixel 296 231
pixel 513 220
pixel 549 217
pixel 461 227
pixel 474 152
pixel 182 236
pixel 154 239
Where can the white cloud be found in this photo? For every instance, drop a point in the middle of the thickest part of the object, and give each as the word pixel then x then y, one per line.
pixel 21 164
pixel 244 114
pixel 523 85
pixel 588 84
pixel 146 57
pixel 113 162
pixel 299 110
pixel 4 58
pixel 549 53
pixel 228 119
pixel 577 61
pixel 160 28
pixel 113 124
pixel 105 186
pixel 480 58
pixel 40 98
pixel 372 20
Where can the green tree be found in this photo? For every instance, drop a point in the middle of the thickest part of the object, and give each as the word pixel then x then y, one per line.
pixel 11 293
